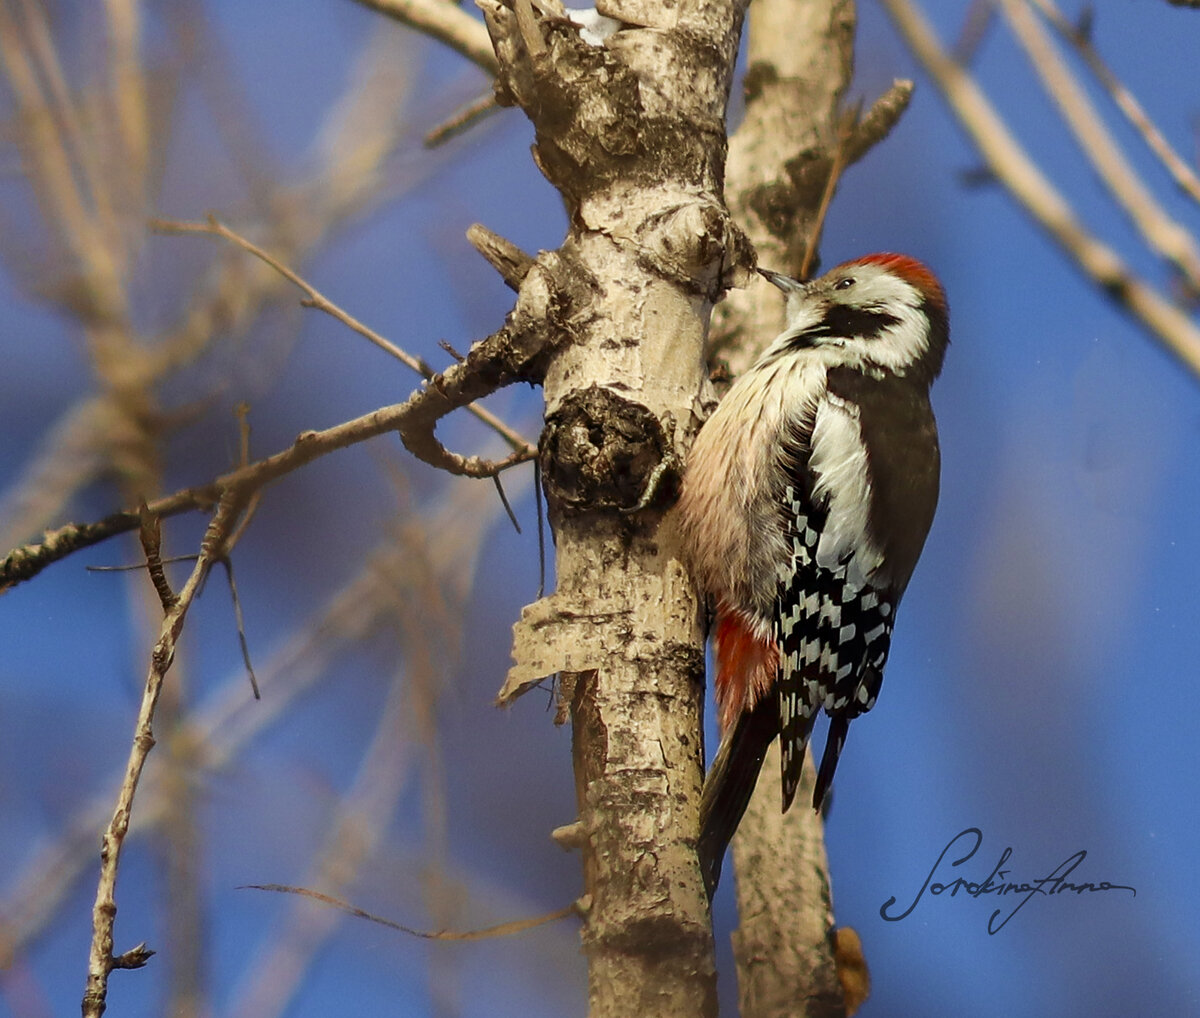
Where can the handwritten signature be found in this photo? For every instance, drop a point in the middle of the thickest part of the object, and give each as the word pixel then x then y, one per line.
pixel 998 884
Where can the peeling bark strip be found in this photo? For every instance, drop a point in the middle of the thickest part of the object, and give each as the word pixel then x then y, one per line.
pixel 630 127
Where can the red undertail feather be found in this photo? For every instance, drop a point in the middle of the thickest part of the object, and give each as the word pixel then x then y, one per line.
pixel 747 663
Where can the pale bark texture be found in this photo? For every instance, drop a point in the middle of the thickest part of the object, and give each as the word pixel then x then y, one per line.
pixel 632 133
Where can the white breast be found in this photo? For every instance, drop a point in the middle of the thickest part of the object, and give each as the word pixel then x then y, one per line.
pixel 730 517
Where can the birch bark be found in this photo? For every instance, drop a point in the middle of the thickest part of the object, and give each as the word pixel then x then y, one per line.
pixel 632 133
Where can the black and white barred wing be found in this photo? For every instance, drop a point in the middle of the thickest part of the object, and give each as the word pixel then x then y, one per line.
pixel 833 629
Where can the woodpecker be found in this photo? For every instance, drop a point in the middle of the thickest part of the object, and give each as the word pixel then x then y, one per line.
pixel 805 504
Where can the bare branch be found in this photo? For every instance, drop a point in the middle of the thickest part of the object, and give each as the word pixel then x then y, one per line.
pixel 1160 232
pixel 879 120
pixel 502 358
pixel 68 459
pixel 1013 167
pixel 461 120
pixel 507 929
pixel 1185 177
pixel 240 622
pixel 316 299
pixel 225 729
pixel 101 960
pixel 445 22
pixel 837 164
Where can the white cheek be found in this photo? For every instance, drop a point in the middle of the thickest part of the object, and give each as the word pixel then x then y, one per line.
pixel 895 349
pixel 901 346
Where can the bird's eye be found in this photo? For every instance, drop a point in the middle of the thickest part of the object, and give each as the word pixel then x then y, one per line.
pixel 844 284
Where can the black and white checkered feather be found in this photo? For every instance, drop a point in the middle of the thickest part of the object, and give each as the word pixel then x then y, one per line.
pixel 833 631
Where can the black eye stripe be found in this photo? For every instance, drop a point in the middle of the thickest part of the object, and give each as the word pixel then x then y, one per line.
pixel 851 322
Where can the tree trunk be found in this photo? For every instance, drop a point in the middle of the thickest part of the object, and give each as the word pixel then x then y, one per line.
pixel 632 133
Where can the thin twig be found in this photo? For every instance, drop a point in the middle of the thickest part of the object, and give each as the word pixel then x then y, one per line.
pixel 426 605
pixel 358 135
pixel 541 526
pixel 242 413
pixel 504 501
pixel 315 299
pixel 836 165
pixel 487 933
pixel 101 960
pixel 975 27
pixel 135 566
pixel 1184 176
pixel 225 728
pixel 1160 232
pixel 503 357
pixel 354 831
pixel 1014 168
pixel 227 562
pixel 462 120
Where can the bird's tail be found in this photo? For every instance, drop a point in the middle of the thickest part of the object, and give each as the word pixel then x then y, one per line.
pixel 838 727
pixel 730 783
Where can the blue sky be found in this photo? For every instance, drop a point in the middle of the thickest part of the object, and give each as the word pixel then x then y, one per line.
pixel 1040 686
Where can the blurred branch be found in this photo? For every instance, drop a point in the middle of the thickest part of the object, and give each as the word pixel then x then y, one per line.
pixel 445 22
pixel 428 639
pixel 223 729
pixel 1160 232
pixel 49 138
pixel 865 132
pixel 1012 166
pixel 67 459
pixel 74 165
pixel 1185 177
pixel 88 152
pixel 509 355
pixel 208 62
pixel 358 134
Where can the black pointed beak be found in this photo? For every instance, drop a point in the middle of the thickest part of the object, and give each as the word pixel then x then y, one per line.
pixel 786 283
